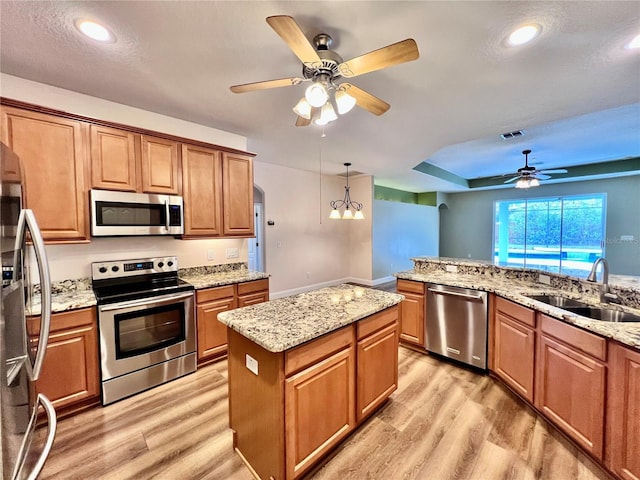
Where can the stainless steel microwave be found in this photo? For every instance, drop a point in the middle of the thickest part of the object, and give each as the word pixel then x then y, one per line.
pixel 123 213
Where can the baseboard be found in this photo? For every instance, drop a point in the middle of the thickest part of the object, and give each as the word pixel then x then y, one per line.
pixel 316 286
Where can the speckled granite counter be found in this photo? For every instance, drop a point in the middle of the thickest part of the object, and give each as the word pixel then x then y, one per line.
pixel 284 323
pixel 512 287
pixel 203 278
pixel 65 295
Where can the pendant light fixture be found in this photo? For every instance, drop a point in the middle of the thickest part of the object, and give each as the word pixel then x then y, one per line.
pixel 349 205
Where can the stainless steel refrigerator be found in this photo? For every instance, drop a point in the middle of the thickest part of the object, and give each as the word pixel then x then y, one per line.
pixel 22 343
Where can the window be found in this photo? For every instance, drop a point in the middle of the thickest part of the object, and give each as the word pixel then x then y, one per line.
pixel 558 234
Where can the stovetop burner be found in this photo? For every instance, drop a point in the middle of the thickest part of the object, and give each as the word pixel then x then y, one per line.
pixel 125 280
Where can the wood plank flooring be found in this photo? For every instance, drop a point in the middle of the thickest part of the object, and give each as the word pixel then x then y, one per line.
pixel 442 423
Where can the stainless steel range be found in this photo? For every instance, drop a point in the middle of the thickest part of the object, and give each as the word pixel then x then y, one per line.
pixel 146 318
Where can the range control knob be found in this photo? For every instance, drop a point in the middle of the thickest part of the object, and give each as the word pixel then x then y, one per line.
pixel 102 269
pixel 160 264
pixel 115 268
pixel 170 263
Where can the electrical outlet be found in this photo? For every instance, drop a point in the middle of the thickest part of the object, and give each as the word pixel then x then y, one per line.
pixel 232 253
pixel 546 279
pixel 451 268
pixel 211 254
pixel 251 363
pixel 308 274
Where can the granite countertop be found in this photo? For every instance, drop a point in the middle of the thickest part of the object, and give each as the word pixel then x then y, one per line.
pixel 63 301
pixel 284 323
pixel 627 333
pixel 202 280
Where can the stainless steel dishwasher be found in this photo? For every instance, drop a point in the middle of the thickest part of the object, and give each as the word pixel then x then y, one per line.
pixel 456 324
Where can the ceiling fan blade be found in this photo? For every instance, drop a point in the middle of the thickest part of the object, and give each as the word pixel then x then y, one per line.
pixel 512 179
pixel 540 176
pixel 557 170
pixel 401 52
pixel 365 100
pixel 302 122
pixel 290 32
pixel 281 82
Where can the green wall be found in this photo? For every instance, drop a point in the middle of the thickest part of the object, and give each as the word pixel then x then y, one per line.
pixel 466 223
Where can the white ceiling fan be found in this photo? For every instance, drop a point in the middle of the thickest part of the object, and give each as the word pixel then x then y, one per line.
pixel 528 176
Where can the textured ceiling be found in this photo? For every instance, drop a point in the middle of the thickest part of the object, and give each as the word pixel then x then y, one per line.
pixel 575 90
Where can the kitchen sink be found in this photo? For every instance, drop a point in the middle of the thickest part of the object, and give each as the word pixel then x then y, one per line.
pixel 558 301
pixel 604 314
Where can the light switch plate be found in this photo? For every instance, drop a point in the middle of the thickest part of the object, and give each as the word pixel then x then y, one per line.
pixel 232 253
pixel 451 268
pixel 211 254
pixel 546 279
pixel 251 363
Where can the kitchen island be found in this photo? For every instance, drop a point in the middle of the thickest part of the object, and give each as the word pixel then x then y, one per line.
pixel 305 371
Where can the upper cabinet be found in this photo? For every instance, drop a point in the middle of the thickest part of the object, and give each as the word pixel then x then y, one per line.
pixel 122 160
pixel 218 193
pixel 53 153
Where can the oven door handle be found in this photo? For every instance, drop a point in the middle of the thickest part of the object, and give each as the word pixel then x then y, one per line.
pixel 146 301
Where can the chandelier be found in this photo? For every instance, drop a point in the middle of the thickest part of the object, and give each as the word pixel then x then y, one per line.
pixel 349 205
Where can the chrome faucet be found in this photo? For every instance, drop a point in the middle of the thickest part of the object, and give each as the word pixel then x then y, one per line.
pixel 592 277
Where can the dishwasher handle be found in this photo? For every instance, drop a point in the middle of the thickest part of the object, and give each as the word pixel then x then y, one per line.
pixel 479 297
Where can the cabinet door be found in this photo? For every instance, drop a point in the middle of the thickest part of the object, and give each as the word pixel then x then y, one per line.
pixel 159 162
pixel 11 172
pixel 53 152
pixel 412 319
pixel 202 191
pixel 113 159
pixel 514 354
pixel 212 335
pixel 70 371
pixel 319 410
pixel 571 392
pixel 623 413
pixel 377 369
pixel 237 188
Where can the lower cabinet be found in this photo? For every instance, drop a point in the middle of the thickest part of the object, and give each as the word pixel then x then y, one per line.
pixel 623 412
pixel 514 346
pixel 328 386
pixel 70 375
pixel 212 335
pixel 571 382
pixel 412 312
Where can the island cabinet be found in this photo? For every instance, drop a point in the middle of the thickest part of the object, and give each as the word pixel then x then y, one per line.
pixel 218 193
pixel 53 155
pixel 514 344
pixel 212 335
pixel 412 312
pixel 127 161
pixel 571 382
pixel 70 375
pixel 623 412
pixel 289 409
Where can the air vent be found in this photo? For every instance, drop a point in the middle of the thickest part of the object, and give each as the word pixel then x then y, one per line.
pixel 508 135
pixel 352 173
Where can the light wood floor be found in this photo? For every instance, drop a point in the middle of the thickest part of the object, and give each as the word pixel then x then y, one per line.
pixel 442 423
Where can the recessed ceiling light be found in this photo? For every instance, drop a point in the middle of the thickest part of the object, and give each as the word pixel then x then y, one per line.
pixel 635 43
pixel 524 34
pixel 95 31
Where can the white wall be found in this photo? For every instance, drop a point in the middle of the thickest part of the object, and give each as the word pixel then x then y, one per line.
pixel 304 249
pixel 360 246
pixel 402 231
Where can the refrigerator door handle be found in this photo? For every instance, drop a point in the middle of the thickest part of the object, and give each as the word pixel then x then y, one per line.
pixel 52 423
pixel 28 220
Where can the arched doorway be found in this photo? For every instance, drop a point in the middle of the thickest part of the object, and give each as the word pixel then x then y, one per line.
pixel 255 248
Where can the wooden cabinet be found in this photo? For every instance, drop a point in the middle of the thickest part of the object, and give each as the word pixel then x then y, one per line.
pixel 623 412
pixel 53 152
pixel 571 382
pixel 218 193
pixel 70 374
pixel 377 353
pixel 11 171
pixel 212 335
pixel 412 312
pixel 328 386
pixel 514 346
pixel 237 189
pixel 122 160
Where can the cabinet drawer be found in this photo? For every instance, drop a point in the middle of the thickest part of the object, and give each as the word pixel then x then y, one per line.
pixel 517 312
pixel 376 322
pixel 312 352
pixel 216 293
pixel 584 341
pixel 64 320
pixel 253 286
pixel 410 286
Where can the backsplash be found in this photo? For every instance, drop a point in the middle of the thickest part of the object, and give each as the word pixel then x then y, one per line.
pixel 208 269
pixel 627 288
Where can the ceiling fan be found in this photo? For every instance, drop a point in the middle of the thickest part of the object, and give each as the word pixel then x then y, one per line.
pixel 323 67
pixel 530 176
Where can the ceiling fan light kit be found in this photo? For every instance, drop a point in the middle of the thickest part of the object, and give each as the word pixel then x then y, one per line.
pixel 323 67
pixel 528 177
pixel 349 205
